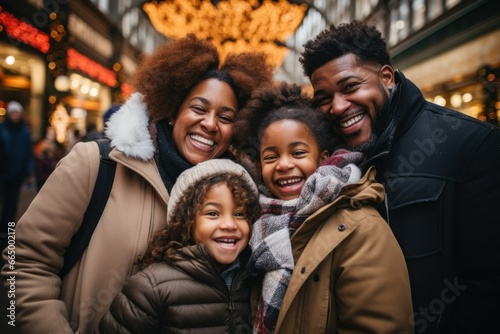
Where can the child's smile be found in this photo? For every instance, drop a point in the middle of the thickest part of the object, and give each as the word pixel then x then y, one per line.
pixel 221 225
pixel 289 154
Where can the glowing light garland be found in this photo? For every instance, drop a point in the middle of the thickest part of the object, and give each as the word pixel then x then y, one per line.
pixel 60 121
pixel 24 32
pixel 77 61
pixel 234 26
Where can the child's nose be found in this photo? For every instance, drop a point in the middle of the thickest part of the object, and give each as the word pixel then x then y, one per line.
pixel 229 223
pixel 284 163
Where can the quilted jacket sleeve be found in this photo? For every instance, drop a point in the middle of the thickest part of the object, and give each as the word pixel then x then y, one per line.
pixel 135 309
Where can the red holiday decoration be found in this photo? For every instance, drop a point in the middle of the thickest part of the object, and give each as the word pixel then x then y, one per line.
pixel 77 61
pixel 24 32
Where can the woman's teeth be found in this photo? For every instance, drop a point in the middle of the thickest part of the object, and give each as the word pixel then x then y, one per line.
pixel 202 140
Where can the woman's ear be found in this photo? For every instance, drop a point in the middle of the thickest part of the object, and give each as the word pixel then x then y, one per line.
pixel 324 155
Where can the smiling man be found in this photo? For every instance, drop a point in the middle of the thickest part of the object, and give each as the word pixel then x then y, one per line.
pixel 440 169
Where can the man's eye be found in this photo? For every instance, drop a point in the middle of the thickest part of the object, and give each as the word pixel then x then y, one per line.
pixel 350 86
pixel 323 101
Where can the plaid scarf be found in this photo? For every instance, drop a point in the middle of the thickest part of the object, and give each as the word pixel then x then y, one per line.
pixel 271 233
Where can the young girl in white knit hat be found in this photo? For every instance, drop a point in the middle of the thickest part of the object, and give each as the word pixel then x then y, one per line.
pixel 194 275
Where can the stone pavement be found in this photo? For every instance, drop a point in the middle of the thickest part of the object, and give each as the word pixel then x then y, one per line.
pixel 28 192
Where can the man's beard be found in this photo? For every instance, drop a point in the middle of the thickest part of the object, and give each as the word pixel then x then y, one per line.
pixel 377 126
pixel 367 145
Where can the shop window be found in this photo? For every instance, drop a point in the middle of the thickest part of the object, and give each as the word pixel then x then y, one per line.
pixel 452 3
pixel 435 9
pixel 468 99
pixel 418 11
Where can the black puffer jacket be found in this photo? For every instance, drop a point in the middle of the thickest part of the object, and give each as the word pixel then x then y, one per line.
pixel 441 172
pixel 186 296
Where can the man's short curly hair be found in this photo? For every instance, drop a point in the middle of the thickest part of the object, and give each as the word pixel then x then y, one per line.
pixel 357 38
pixel 271 104
pixel 166 76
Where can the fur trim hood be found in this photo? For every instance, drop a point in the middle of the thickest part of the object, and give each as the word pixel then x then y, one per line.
pixel 128 129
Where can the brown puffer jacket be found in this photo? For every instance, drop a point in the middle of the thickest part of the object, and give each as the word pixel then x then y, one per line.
pixel 185 296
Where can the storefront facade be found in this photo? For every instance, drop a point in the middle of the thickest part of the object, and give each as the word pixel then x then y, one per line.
pixel 65 62
pixel 456 59
pixel 23 73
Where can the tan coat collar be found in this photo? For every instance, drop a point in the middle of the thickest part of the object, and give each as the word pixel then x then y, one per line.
pixel 147 169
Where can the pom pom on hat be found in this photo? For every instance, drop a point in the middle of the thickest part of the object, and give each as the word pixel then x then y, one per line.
pixel 204 170
pixel 14 106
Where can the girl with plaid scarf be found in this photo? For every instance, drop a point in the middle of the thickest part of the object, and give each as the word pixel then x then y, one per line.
pixel 328 261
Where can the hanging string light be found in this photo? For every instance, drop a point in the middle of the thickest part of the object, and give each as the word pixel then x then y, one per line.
pixel 59 119
pixel 234 26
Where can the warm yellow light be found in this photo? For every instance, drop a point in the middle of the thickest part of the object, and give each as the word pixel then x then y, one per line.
pixel 439 100
pixel 59 121
pixel 456 100
pixel 467 97
pixel 10 60
pixel 232 25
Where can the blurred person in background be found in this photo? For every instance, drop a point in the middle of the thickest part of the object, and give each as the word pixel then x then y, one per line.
pixel 45 163
pixel 92 132
pixel 16 160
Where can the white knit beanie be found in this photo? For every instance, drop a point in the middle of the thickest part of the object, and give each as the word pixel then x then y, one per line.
pixel 14 106
pixel 204 170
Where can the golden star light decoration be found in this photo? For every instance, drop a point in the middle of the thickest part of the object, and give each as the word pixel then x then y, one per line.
pixel 234 26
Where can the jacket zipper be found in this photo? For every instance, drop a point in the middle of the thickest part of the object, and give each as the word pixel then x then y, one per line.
pixel 231 290
pixel 231 313
pixel 231 307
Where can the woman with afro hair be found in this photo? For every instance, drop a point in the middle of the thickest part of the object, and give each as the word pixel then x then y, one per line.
pixel 181 113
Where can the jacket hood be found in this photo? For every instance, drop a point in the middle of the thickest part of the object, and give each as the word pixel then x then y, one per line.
pixel 128 129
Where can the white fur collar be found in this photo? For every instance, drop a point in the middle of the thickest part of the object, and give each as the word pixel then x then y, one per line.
pixel 128 129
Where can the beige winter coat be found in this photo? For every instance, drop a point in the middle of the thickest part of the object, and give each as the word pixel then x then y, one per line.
pixel 350 275
pixel 136 209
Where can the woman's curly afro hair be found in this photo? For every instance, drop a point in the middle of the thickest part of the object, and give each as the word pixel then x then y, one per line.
pixel 357 38
pixel 166 76
pixel 276 103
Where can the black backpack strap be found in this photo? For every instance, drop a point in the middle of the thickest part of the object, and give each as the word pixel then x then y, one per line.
pixel 100 195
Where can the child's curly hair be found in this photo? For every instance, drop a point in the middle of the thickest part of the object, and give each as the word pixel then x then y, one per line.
pixel 271 104
pixel 166 76
pixel 364 41
pixel 165 243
